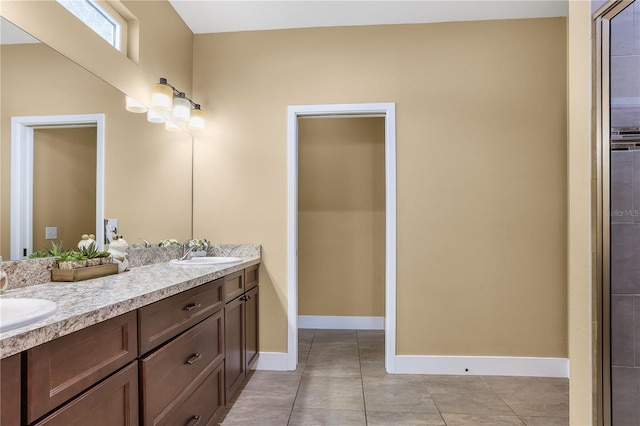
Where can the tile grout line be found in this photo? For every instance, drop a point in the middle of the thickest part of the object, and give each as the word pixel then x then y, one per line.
pixel 424 381
pixel 301 377
pixel 364 400
pixel 502 399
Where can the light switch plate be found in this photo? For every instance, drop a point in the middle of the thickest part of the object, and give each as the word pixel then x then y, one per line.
pixel 51 232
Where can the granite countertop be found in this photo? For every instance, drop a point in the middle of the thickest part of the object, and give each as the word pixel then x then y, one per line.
pixel 84 303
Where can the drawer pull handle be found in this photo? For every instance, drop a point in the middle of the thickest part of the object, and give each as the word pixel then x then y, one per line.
pixel 192 306
pixel 194 358
pixel 194 421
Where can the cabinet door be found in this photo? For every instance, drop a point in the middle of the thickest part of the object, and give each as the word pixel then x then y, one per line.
pixel 113 402
pixel 62 368
pixel 234 337
pixel 251 332
pixel 10 390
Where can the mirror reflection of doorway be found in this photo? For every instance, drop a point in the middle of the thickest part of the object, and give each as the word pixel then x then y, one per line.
pixel 64 185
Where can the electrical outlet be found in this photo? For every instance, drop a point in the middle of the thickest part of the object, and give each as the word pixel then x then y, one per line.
pixel 110 230
pixel 51 232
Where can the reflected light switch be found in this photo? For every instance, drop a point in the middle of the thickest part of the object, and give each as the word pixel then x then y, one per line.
pixel 51 232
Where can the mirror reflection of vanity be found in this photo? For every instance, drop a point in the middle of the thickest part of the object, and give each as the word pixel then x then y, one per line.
pixel 147 178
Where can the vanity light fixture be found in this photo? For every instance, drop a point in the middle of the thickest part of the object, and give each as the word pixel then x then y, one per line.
pixel 133 105
pixel 181 107
pixel 154 116
pixel 197 118
pixel 165 97
pixel 162 96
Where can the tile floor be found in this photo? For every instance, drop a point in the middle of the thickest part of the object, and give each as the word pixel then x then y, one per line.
pixel 341 381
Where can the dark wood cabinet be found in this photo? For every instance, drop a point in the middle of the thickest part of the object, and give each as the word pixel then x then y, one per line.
pixel 203 405
pixel 10 390
pixel 251 327
pixel 241 332
pixel 113 402
pixel 234 335
pixel 169 317
pixel 170 374
pixel 174 362
pixel 62 368
pixel 233 285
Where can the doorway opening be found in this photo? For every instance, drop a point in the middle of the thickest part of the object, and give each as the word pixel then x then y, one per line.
pixel 23 130
pixel 387 112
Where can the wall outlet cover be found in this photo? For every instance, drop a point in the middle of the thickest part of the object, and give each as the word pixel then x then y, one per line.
pixel 110 230
pixel 51 232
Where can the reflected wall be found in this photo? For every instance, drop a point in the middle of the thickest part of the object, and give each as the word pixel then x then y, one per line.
pixel 147 169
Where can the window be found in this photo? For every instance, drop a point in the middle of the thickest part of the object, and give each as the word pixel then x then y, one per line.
pixel 101 18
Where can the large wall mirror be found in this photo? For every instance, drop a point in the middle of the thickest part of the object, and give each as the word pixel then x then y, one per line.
pixel 146 179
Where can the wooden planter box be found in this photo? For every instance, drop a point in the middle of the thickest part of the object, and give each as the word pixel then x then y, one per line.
pixel 85 273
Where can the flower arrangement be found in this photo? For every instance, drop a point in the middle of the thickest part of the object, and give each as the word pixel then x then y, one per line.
pixel 169 243
pixel 199 245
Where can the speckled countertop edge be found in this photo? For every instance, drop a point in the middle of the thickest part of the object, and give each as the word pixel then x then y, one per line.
pixel 85 303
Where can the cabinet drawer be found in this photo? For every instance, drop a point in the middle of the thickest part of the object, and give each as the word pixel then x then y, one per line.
pixel 170 373
pixel 10 398
pixel 167 318
pixel 113 402
pixel 64 367
pixel 251 277
pixel 233 285
pixel 202 405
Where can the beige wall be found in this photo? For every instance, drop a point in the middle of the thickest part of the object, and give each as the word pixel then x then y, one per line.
pixel 581 326
pixel 341 211
pixel 481 133
pixel 147 169
pixel 165 43
pixel 64 185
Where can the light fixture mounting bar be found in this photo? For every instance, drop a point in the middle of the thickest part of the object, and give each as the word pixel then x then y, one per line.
pixel 176 92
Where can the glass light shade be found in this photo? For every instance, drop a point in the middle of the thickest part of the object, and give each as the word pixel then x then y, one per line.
pixel 133 105
pixel 197 118
pixel 161 97
pixel 170 125
pixel 154 117
pixel 181 108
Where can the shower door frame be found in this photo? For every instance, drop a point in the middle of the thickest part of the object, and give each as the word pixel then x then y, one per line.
pixel 601 144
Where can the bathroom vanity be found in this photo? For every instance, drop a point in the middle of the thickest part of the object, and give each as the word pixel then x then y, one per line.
pixel 168 351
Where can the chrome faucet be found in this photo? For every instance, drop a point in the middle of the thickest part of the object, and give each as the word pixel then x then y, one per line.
pixel 188 247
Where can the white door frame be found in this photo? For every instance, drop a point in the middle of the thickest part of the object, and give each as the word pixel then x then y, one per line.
pixel 388 111
pixel 22 174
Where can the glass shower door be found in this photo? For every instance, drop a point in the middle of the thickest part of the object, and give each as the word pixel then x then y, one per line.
pixel 624 217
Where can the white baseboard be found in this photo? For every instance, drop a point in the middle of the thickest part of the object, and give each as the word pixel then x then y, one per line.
pixel 452 365
pixel 324 322
pixel 482 365
pixel 276 361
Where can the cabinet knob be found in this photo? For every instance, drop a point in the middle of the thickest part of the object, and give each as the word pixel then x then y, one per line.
pixel 244 297
pixel 194 358
pixel 192 306
pixel 194 420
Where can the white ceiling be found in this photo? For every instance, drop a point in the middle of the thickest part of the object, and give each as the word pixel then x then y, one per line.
pixel 214 16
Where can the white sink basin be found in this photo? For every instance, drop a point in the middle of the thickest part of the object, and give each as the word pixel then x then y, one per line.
pixel 206 261
pixel 16 313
